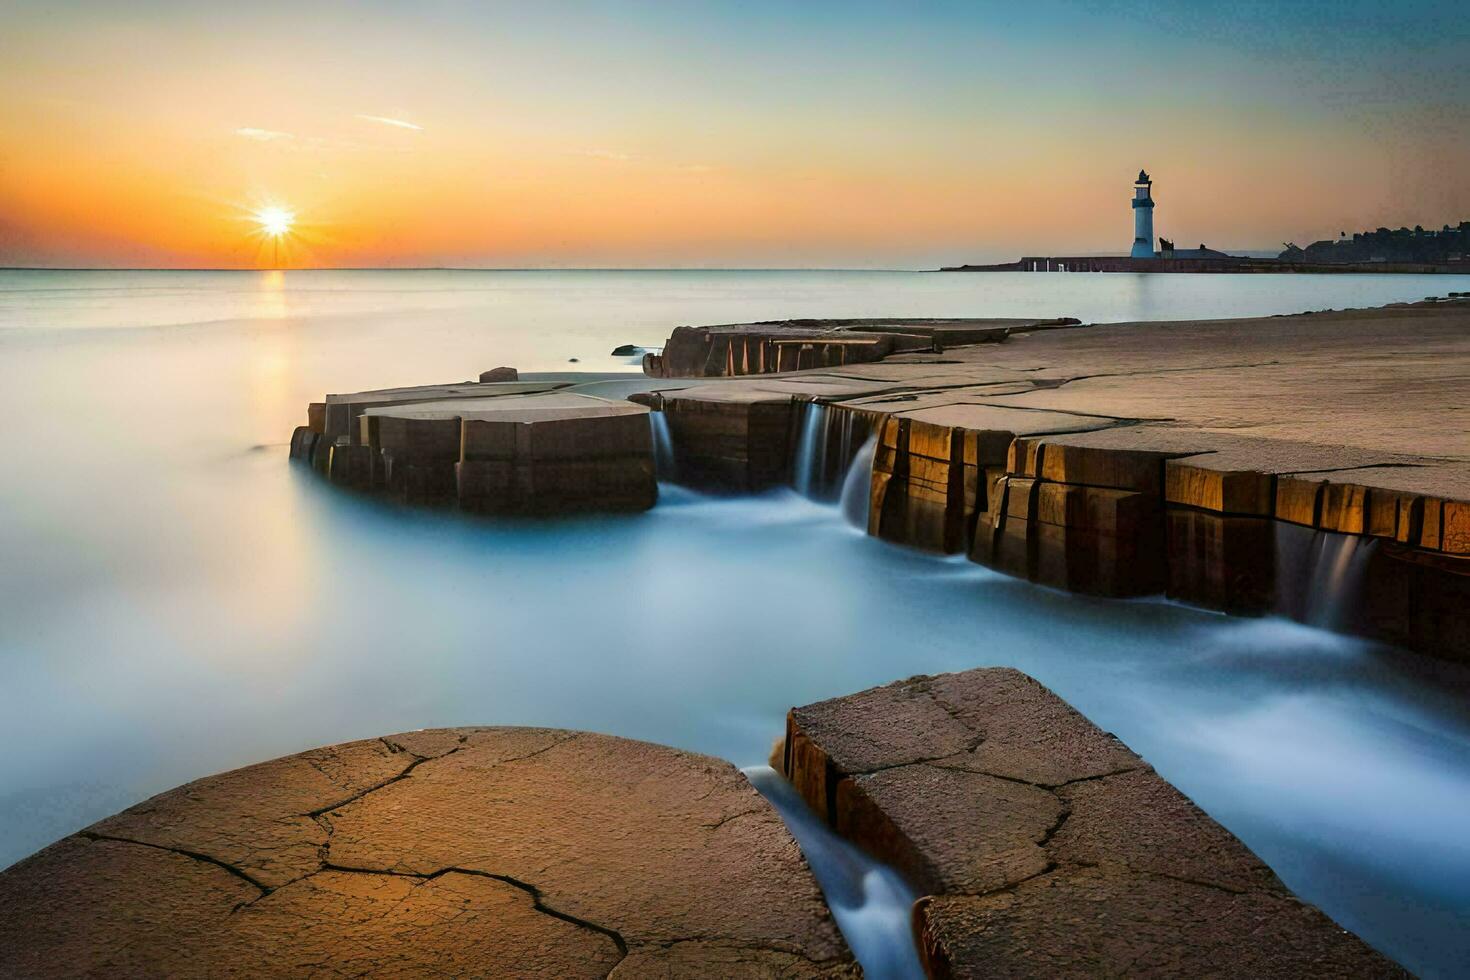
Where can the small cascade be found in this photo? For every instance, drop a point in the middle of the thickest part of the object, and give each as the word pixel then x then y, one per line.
pixel 826 443
pixel 663 448
pixel 1319 574
pixel 869 900
pixel 809 457
pixel 857 485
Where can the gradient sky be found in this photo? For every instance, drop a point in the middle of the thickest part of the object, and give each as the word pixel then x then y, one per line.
pixel 716 134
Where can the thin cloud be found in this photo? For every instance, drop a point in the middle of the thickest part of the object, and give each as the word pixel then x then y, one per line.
pixel 616 155
pixel 400 123
pixel 263 135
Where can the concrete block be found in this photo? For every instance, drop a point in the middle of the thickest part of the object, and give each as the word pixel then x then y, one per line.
pixel 1187 481
pixel 1298 500
pixel 303 443
pixel 1221 561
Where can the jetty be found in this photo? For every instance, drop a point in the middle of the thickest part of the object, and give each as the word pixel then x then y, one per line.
pixel 1315 465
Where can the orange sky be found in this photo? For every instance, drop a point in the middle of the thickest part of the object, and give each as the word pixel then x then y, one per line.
pixel 624 135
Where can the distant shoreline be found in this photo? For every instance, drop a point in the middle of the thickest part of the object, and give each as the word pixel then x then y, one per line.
pixel 1248 267
pixel 444 268
pixel 1211 266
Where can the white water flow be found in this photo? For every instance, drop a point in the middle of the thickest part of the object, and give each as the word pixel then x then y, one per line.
pixel 857 485
pixel 826 443
pixel 809 457
pixel 1320 574
pixel 870 901
pixel 663 447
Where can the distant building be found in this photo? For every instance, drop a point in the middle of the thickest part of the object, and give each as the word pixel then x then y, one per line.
pixel 1168 251
pixel 1448 245
pixel 1143 217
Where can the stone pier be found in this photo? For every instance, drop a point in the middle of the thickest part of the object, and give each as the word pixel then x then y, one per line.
pixel 1206 460
pixel 1212 461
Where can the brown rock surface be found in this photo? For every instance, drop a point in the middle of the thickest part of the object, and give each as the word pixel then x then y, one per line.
pixel 1086 922
pixel 1047 847
pixel 736 349
pixel 509 447
pixel 523 852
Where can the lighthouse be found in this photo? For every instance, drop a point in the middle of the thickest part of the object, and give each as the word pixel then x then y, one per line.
pixel 1143 217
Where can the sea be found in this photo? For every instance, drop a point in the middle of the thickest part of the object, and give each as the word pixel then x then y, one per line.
pixel 176 599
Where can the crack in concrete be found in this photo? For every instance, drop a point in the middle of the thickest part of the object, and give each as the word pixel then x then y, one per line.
pixel 1120 419
pixel 537 900
pixel 1047 383
pixel 183 852
pixel 418 760
pixel 734 816
pixel 1056 827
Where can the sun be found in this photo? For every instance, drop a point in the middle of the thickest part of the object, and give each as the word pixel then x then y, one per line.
pixel 275 222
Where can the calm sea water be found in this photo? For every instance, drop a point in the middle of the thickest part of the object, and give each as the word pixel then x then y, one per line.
pixel 175 600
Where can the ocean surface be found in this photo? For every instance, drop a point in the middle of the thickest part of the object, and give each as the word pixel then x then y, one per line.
pixel 176 600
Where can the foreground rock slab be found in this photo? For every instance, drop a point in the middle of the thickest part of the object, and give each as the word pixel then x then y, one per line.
pixel 481 851
pixel 1045 846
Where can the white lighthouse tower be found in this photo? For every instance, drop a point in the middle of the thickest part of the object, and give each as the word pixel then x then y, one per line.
pixel 1143 217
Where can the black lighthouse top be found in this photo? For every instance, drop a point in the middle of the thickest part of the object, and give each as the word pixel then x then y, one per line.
pixel 1143 178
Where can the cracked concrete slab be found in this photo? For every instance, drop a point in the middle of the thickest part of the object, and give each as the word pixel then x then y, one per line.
pixel 525 852
pixel 1086 922
pixel 1045 846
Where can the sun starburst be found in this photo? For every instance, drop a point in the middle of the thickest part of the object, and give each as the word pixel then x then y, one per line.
pixel 275 222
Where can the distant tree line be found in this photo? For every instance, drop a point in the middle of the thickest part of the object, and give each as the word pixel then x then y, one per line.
pixel 1388 245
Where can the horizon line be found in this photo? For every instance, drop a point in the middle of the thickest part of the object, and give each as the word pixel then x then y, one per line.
pixel 452 268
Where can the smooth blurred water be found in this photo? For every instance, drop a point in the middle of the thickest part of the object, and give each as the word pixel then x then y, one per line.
pixel 176 600
pixel 870 901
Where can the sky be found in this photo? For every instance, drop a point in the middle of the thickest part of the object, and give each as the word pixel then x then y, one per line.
pixel 742 134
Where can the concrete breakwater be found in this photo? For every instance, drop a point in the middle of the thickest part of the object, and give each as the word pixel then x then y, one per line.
pixel 1315 466
pixel 1051 457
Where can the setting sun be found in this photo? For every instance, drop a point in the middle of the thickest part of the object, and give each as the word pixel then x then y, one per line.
pixel 275 222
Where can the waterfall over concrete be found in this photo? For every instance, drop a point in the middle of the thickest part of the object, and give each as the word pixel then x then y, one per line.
pixel 809 457
pixel 1319 574
pixel 857 485
pixel 663 448
pixel 827 440
pixel 869 900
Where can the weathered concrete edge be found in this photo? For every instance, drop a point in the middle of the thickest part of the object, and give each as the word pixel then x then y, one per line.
pixel 1119 522
pixel 834 787
pixel 402 757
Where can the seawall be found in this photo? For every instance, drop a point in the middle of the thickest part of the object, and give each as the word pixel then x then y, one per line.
pixel 1153 459
pixel 1316 465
